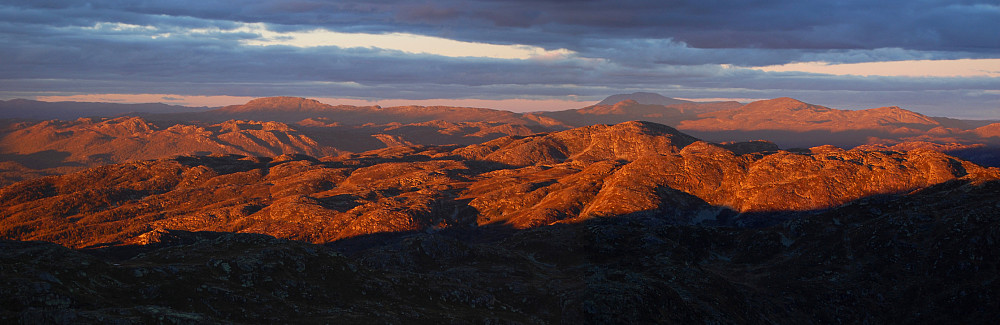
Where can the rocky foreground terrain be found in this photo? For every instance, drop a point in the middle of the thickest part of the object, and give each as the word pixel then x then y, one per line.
pixel 343 214
pixel 629 223
pixel 927 257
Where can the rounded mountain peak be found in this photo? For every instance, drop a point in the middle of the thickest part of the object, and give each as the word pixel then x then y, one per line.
pixel 642 98
pixel 646 128
pixel 283 103
pixel 623 141
pixel 782 104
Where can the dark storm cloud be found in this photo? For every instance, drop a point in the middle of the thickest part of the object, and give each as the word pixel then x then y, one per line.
pixel 673 47
pixel 190 59
pixel 782 24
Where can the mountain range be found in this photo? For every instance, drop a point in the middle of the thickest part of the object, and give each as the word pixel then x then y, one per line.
pixel 645 210
pixel 520 182
pixel 29 148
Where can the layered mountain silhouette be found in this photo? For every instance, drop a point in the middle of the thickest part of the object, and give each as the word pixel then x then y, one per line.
pixel 631 110
pixel 290 210
pixel 30 149
pixel 792 115
pixel 294 109
pixel 55 147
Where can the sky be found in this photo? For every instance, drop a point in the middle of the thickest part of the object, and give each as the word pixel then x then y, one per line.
pixel 940 58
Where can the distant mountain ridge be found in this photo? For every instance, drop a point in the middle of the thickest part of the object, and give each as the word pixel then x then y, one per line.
pixel 435 217
pixel 91 142
pixel 34 149
pixel 294 109
pixel 632 110
pixel 279 104
pixel 793 115
pixel 643 98
pixel 39 110
pixel 788 122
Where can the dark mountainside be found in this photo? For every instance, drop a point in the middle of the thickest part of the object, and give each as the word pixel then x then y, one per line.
pixel 37 110
pixel 455 215
pixel 929 257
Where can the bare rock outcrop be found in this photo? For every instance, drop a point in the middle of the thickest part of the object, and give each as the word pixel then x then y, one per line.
pixel 634 169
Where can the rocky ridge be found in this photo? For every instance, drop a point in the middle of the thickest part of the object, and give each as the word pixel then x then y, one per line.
pixel 629 169
pixel 294 109
pixel 788 114
pixel 339 129
pixel 57 147
pixel 636 222
pixel 34 149
pixel 632 110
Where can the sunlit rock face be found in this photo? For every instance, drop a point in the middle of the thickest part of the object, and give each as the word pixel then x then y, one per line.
pixel 629 169
pixel 793 115
pixel 629 223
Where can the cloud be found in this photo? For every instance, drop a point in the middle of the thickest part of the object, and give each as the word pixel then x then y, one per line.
pixel 404 42
pixel 503 50
pixel 910 68
pixel 182 100
pixel 769 24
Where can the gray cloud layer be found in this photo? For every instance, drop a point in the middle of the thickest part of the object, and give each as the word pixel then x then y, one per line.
pixel 671 47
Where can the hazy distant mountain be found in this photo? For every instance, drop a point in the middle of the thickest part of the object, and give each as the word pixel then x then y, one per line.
pixel 642 98
pixel 793 115
pixel 988 131
pixel 793 123
pixel 632 110
pixel 32 109
pixel 787 122
pixel 294 109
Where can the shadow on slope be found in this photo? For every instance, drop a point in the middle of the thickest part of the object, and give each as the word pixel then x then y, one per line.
pixel 41 160
pixel 988 155
pixel 795 139
pixel 928 257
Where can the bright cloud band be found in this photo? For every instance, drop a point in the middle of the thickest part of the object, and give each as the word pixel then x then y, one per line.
pixel 403 42
pixel 912 68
